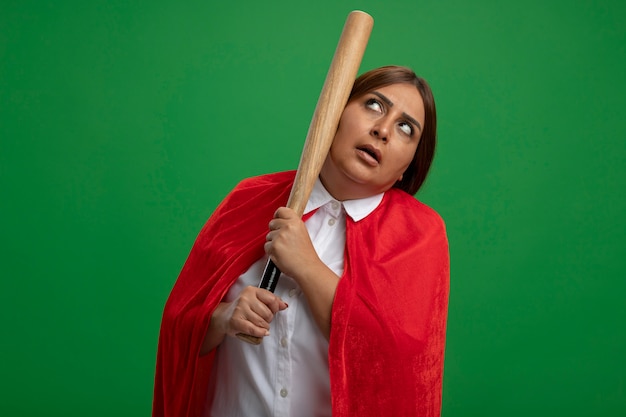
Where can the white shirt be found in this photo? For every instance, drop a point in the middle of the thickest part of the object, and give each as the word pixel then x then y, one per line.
pixel 287 374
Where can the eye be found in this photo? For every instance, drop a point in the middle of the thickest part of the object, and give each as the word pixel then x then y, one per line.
pixel 374 104
pixel 407 128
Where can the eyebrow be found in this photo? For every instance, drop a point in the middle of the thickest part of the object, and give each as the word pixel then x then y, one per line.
pixel 390 104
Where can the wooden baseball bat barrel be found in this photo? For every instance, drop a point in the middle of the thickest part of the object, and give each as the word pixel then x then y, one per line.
pixel 333 99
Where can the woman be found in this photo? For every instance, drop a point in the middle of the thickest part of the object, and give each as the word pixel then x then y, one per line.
pixel 356 326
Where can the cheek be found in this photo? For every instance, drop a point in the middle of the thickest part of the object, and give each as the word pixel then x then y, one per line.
pixel 337 148
pixel 406 158
pixel 341 139
pixel 351 124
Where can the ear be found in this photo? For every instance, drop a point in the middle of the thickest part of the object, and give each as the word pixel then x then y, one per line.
pixel 401 176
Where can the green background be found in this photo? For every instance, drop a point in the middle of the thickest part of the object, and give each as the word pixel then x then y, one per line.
pixel 124 123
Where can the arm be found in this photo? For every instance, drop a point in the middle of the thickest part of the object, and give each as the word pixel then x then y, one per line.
pixel 290 248
pixel 319 284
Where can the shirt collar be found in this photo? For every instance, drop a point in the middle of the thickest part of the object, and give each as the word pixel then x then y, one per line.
pixel 357 209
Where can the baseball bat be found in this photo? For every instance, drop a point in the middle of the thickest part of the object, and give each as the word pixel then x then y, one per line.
pixel 332 100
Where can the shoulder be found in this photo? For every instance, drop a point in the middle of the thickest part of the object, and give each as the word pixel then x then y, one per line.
pixel 267 180
pixel 261 189
pixel 263 185
pixel 407 210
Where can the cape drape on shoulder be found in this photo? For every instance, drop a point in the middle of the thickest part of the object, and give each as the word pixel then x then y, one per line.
pixel 387 338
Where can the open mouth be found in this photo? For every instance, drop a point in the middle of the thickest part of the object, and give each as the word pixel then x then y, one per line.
pixel 371 151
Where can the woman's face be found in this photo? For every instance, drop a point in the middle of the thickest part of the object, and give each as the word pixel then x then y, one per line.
pixel 377 137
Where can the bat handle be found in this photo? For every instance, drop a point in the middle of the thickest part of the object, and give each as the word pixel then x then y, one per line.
pixel 268 282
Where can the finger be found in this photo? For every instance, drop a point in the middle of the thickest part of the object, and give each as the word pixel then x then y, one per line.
pixel 244 319
pixel 249 328
pixel 257 320
pixel 284 213
pixel 274 224
pixel 282 305
pixel 272 301
pixel 262 311
pixel 251 306
pixel 277 223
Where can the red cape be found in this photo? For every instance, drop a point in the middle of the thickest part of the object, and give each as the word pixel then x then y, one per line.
pixel 389 314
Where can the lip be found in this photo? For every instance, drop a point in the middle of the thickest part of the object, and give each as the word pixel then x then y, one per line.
pixel 369 154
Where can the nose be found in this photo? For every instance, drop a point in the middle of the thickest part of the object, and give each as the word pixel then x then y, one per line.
pixel 380 131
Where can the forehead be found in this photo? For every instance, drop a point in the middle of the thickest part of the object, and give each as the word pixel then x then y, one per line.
pixel 405 98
